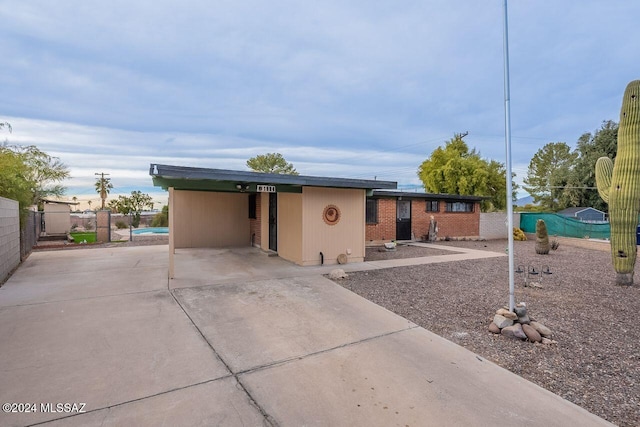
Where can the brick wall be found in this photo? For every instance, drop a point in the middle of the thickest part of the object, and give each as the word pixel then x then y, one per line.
pixel 385 229
pixel 254 224
pixel 450 224
pixel 9 237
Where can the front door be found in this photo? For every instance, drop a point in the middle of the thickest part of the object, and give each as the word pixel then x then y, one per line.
pixel 403 220
pixel 273 221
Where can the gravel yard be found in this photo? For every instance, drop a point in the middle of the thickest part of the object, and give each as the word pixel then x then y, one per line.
pixel 379 252
pixel 596 362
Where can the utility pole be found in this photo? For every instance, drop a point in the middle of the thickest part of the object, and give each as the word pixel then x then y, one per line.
pixel 103 185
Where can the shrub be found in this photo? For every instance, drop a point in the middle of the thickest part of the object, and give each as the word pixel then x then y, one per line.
pixel 121 224
pixel 161 219
pixel 519 235
pixel 554 244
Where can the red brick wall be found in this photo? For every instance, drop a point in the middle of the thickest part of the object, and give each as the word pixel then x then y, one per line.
pixel 450 224
pixel 385 229
pixel 254 224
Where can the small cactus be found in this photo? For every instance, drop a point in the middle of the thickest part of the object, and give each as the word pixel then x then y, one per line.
pixel 619 186
pixel 542 238
pixel 554 244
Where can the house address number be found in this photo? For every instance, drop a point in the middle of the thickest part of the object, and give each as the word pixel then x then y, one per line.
pixel 266 188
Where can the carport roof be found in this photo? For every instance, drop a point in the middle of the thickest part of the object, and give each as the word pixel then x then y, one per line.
pixel 189 178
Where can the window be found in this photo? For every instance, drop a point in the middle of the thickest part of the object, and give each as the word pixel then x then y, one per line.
pixel 372 211
pixel 459 207
pixel 252 206
pixel 433 206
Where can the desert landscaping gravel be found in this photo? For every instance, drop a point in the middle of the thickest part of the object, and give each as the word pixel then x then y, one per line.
pixel 596 361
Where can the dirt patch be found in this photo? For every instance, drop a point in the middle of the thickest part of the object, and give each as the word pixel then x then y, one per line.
pixel 596 363
pixel 377 253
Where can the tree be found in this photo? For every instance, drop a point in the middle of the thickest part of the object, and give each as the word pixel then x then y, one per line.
pixel 454 169
pixel 103 187
pixel 14 183
pixel 550 172
pixel 161 219
pixel 590 147
pixel 133 204
pixel 271 163
pixel 44 172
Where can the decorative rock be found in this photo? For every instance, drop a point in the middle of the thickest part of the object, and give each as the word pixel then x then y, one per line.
pixel 338 273
pixel 514 331
pixel 548 341
pixel 494 328
pixel 524 320
pixel 508 314
pixel 390 246
pixel 501 321
pixel 531 333
pixel 520 309
pixel 542 330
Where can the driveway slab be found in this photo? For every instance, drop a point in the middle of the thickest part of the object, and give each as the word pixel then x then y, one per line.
pixel 217 403
pixel 99 351
pixel 264 322
pixel 82 273
pixel 410 378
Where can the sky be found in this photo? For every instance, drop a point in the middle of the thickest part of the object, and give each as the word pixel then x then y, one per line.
pixel 358 89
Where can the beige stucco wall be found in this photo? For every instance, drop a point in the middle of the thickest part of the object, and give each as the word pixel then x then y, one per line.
pixel 290 227
pixel 210 220
pixel 332 240
pixel 57 218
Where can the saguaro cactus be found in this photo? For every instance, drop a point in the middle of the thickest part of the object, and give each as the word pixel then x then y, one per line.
pixel 619 186
pixel 542 238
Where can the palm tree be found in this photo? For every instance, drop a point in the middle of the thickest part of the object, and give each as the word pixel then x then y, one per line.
pixel 103 186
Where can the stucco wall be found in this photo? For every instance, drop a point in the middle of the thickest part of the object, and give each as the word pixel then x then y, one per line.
pixel 493 225
pixel 347 235
pixel 57 218
pixel 290 227
pixel 210 220
pixel 9 236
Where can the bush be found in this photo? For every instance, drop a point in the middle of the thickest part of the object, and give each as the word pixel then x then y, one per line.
pixel 161 219
pixel 519 234
pixel 121 224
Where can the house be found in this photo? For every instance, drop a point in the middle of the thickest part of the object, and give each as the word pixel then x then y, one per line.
pixel 397 215
pixel 308 220
pixel 584 214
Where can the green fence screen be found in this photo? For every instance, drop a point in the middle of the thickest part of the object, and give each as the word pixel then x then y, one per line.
pixel 563 226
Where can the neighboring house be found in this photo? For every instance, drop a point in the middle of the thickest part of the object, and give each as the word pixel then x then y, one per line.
pixel 307 220
pixel 57 217
pixel 397 215
pixel 584 214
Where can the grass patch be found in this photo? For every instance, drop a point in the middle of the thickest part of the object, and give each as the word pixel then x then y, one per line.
pixel 80 237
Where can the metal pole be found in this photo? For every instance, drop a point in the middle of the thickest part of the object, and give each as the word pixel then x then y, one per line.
pixel 507 128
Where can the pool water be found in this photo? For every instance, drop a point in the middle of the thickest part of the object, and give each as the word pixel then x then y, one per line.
pixel 152 230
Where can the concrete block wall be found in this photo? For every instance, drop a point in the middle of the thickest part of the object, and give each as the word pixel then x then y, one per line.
pixel 493 225
pixel 9 236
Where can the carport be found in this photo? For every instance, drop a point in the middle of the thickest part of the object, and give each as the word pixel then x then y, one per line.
pixel 307 220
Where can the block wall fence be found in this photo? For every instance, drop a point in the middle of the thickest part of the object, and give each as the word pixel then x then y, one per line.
pixel 9 237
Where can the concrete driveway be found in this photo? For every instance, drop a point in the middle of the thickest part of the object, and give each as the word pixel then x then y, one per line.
pixel 277 345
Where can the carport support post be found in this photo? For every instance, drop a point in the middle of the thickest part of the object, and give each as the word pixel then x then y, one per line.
pixel 172 246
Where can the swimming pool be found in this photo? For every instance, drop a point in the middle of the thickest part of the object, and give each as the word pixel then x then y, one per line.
pixel 152 230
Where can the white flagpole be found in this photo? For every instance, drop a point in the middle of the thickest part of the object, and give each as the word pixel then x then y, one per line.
pixel 507 128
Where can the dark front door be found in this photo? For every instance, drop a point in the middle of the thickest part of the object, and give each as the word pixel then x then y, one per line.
pixel 403 220
pixel 273 222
